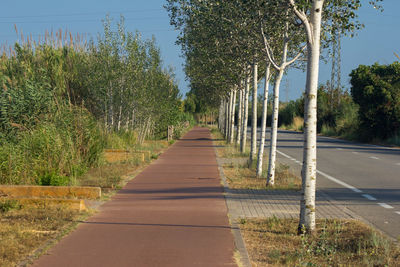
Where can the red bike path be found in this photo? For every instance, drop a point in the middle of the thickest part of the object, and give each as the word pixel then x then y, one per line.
pixel 172 214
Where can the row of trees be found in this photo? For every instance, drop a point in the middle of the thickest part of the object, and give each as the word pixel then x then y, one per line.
pixel 61 97
pixel 228 43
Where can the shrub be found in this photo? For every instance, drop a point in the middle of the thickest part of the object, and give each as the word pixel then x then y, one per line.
pixel 376 89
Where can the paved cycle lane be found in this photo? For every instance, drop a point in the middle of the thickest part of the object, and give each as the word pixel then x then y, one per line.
pixel 172 214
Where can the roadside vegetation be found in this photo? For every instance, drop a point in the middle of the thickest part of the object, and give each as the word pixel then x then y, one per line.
pixel 275 242
pixel 64 100
pixel 368 112
pixel 241 175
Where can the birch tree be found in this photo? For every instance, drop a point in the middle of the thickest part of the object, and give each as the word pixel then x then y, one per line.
pixel 240 116
pixel 263 120
pixel 311 15
pixel 253 147
pixel 245 114
pixel 281 33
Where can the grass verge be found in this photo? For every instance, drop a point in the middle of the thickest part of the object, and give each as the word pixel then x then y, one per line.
pixel 242 177
pixel 23 229
pixel 275 242
pixel 225 150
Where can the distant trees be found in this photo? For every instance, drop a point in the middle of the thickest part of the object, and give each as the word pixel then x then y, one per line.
pixel 376 89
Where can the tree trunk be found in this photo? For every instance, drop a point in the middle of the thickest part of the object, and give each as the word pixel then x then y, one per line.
pixel 253 149
pixel 307 206
pixel 232 136
pixel 245 115
pixel 240 122
pixel 263 122
pixel 274 129
pixel 111 106
pixel 230 116
pixel 220 114
pixel 226 118
pixel 119 117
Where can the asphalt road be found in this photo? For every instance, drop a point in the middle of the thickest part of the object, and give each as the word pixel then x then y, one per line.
pixel 363 178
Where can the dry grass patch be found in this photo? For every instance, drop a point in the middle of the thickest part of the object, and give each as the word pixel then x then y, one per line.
pixel 275 242
pixel 23 229
pixel 112 176
pixel 109 176
pixel 225 150
pixel 242 177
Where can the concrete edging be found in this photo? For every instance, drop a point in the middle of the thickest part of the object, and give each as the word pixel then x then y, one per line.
pixel 75 204
pixel 27 191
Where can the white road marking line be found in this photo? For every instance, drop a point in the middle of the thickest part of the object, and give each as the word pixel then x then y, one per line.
pixel 386 206
pixel 398 212
pixel 398 164
pixel 354 152
pixel 287 156
pixel 373 158
pixel 339 148
pixel 333 179
pixel 369 197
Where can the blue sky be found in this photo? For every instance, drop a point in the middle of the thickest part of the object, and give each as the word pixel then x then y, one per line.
pixel 375 43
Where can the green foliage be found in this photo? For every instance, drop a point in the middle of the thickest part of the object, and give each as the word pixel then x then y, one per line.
pixel 376 89
pixel 61 105
pixel 290 110
pixel 8 204
pixel 64 145
pixel 120 140
pixel 53 179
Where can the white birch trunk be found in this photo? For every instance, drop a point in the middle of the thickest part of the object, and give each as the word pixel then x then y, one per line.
pixel 239 122
pixel 133 119
pixel 228 139
pixel 111 110
pixel 119 117
pixel 226 118
pixel 253 149
pixel 308 173
pixel 245 116
pixel 274 130
pixel 221 117
pixel 232 136
pixel 263 122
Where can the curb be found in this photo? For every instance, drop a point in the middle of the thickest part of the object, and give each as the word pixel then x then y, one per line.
pixel 28 191
pixel 75 204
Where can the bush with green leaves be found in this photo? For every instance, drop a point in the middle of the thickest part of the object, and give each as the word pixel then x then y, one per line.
pixel 376 89
pixel 60 105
